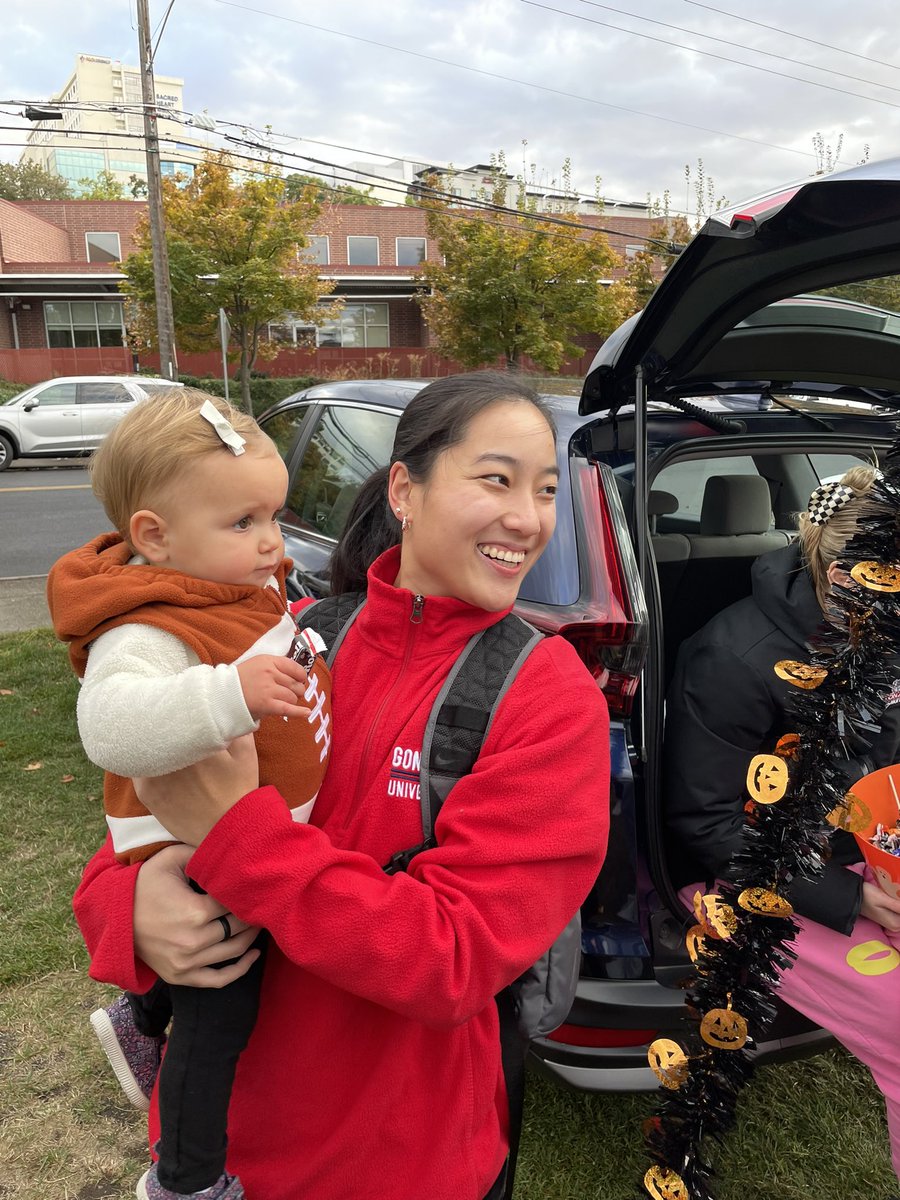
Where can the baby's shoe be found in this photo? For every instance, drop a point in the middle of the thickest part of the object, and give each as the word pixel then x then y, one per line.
pixel 226 1187
pixel 133 1056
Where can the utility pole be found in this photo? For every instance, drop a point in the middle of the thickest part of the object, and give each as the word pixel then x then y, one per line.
pixel 164 320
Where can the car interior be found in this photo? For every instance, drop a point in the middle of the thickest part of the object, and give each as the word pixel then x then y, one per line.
pixel 711 518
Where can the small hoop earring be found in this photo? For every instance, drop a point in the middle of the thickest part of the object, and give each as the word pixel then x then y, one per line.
pixel 405 524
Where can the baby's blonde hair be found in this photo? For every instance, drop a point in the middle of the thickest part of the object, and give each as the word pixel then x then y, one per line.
pixel 155 445
pixel 824 544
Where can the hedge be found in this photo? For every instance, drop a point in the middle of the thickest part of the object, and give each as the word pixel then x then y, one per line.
pixel 263 392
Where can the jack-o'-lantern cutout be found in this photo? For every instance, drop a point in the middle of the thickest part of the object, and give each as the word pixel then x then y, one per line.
pixel 801 675
pixel 788 746
pixel 852 814
pixel 664 1184
pixel 767 778
pixel 695 942
pixel 724 1029
pixel 668 1062
pixel 763 902
pixel 717 918
pixel 876 576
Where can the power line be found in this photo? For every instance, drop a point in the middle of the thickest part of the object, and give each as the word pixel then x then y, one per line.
pixel 350 175
pixel 473 205
pixel 708 37
pixel 787 33
pixel 521 82
pixel 649 37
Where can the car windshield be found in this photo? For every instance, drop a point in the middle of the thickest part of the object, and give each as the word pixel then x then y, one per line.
pixel 153 389
pixel 17 396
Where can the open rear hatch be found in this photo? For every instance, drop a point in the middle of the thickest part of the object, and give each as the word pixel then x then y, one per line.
pixel 715 322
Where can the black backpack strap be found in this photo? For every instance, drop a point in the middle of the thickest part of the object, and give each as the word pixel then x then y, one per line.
pixel 331 619
pixel 458 724
pixel 513 1053
pixel 464 710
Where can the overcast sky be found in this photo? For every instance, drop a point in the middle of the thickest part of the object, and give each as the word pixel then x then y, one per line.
pixel 619 104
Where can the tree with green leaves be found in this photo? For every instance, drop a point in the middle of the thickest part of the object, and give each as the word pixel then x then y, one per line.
pixel 326 193
pixel 27 180
pixel 513 284
pixel 102 186
pixel 233 244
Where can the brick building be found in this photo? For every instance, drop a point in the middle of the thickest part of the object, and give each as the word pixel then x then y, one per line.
pixel 59 273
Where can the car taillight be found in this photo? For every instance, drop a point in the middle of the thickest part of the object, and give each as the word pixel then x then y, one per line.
pixel 581 1035
pixel 608 624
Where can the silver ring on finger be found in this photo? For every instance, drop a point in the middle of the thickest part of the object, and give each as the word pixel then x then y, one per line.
pixel 226 928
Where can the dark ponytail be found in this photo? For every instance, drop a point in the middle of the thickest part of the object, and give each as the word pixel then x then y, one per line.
pixel 370 530
pixel 437 418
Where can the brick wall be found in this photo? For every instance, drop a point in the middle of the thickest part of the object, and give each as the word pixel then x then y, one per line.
pixel 406 325
pixel 32 333
pixel 78 217
pixel 25 236
pixel 388 223
pixel 45 232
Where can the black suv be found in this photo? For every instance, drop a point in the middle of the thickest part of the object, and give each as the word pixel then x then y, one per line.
pixel 746 362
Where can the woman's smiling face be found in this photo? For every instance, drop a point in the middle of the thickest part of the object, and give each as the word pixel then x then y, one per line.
pixel 481 519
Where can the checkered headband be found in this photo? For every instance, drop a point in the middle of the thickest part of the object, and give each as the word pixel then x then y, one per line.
pixel 826 500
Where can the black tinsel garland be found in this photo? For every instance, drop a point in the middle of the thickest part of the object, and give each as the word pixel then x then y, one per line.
pixel 781 842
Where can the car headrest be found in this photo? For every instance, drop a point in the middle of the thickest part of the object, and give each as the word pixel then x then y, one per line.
pixel 734 504
pixel 661 504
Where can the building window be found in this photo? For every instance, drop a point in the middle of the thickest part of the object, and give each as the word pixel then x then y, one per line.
pixel 359 326
pixel 291 331
pixel 103 247
pixel 76 165
pixel 315 250
pixel 84 323
pixel 410 251
pixel 362 251
pixel 173 169
pixel 631 252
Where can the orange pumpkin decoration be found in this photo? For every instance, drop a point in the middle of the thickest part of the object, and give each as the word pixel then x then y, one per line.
pixel 695 942
pixel 724 1029
pixel 852 814
pixel 767 778
pixel 876 576
pixel 801 675
pixel 668 1062
pixel 763 902
pixel 717 918
pixel 664 1184
pixel 788 746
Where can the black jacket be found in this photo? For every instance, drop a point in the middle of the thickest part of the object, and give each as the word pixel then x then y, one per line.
pixel 726 704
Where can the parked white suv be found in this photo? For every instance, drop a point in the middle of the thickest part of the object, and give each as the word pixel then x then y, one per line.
pixel 69 416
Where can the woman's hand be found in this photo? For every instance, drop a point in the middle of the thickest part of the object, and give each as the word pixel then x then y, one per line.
pixel 190 801
pixel 879 907
pixel 177 931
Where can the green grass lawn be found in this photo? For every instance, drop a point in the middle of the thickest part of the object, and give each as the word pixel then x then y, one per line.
pixel 812 1130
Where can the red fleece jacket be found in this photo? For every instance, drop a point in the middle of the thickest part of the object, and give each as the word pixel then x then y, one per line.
pixel 374 1069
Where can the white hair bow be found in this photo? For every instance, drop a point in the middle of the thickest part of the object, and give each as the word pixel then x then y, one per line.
pixel 223 427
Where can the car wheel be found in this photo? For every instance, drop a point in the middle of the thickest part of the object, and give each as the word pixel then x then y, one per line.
pixel 6 453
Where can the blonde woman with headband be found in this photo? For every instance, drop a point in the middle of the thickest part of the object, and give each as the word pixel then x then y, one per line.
pixel 726 704
pixel 179 630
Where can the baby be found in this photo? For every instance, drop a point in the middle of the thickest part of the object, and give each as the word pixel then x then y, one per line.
pixel 179 629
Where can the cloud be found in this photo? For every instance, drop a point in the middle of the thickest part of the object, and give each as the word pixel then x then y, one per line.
pixel 619 105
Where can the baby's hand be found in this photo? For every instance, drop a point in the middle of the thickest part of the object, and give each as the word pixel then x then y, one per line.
pixel 271 684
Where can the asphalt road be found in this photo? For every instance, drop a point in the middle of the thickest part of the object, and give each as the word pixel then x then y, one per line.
pixel 45 510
